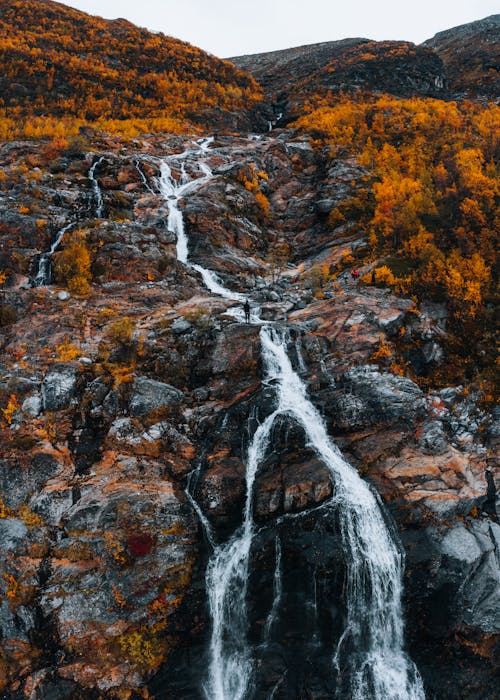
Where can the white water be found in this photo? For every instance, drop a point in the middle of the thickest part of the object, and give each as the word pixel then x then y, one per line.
pixel 43 276
pixel 272 124
pixel 369 658
pixel 277 593
pixel 371 649
pixel 143 177
pixel 173 191
pixel 97 190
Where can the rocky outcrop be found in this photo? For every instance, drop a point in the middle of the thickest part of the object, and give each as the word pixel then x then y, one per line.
pixel 58 387
pixel 122 464
pixel 149 395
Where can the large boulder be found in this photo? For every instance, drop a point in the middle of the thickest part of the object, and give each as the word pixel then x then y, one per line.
pixel 59 387
pixel 372 397
pixel 149 395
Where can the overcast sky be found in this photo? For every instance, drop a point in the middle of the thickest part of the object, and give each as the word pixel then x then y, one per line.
pixel 235 27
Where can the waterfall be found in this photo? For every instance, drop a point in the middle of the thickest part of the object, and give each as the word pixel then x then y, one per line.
pixel 277 592
pixel 97 190
pixel 43 275
pixel 173 191
pixel 370 652
pixel 369 658
pixel 143 177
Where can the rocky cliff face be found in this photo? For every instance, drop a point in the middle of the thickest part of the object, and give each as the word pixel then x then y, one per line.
pixel 115 403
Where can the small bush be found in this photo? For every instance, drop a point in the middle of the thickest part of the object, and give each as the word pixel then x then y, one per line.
pixel 72 265
pixel 121 331
pixel 67 351
pixel 8 315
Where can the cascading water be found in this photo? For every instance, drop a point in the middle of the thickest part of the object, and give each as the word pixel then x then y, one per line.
pixel 99 209
pixel 370 652
pixel 143 177
pixel 369 658
pixel 43 275
pixel 277 593
pixel 173 191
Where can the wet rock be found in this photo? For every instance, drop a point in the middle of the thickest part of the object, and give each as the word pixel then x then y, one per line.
pixel 149 395
pixel 293 485
pixel 463 561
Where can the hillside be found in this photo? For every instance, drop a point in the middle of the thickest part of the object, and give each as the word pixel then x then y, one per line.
pixel 248 371
pixel 471 56
pixel 293 77
pixel 458 62
pixel 58 61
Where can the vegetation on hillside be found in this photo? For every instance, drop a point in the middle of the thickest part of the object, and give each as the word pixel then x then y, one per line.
pixel 61 68
pixel 431 206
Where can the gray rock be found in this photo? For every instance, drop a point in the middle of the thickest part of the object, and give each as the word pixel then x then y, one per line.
pixel 472 563
pixel 149 395
pixel 63 296
pixel 16 624
pixel 433 438
pixel 325 206
pixel 375 397
pixel 17 484
pixel 462 564
pixel 111 403
pixel 432 353
pixel 32 405
pixel 97 391
pixel 459 543
pixel 12 533
pixel 180 325
pixel 52 505
pixel 58 387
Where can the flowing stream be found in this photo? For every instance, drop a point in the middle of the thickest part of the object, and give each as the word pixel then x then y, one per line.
pixel 99 202
pixel 43 275
pixel 369 658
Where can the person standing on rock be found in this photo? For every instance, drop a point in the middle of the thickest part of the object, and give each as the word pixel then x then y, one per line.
pixel 246 309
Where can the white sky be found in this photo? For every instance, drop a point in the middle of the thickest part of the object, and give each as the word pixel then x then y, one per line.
pixel 235 27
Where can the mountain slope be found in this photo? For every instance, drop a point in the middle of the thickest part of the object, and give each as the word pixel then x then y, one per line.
pixel 295 76
pixel 471 55
pixel 58 61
